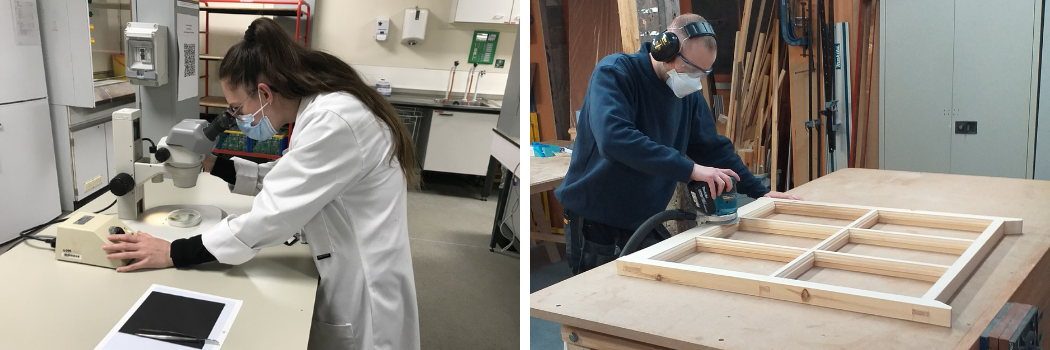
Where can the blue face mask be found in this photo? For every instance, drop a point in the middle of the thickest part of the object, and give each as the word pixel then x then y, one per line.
pixel 261 131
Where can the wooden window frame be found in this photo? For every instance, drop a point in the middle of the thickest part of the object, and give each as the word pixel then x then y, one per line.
pixel 656 262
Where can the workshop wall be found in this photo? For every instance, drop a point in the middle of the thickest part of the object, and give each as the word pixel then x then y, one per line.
pixel 347 30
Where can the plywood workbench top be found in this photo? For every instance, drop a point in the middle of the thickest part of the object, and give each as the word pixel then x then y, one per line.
pixel 684 317
pixel 547 173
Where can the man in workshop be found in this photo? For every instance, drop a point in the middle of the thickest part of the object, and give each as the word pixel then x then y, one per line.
pixel 644 128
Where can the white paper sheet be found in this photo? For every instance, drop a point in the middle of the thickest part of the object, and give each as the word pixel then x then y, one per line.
pixel 26 28
pixel 122 341
pixel 186 31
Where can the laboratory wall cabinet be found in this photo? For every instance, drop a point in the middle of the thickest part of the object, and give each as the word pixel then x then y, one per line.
pixel 961 97
pixel 486 11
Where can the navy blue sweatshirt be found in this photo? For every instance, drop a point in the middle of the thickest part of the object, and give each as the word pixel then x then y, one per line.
pixel 632 140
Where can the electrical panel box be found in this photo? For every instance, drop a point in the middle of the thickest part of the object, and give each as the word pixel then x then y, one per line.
pixel 147 55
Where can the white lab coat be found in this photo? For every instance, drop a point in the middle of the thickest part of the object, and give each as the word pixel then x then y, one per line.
pixel 337 184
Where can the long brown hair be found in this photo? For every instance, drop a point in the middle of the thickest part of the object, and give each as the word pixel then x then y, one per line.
pixel 297 72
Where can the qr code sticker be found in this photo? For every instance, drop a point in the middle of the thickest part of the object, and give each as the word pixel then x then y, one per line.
pixel 189 59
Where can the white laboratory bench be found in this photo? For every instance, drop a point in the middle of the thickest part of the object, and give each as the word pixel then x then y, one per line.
pixel 50 304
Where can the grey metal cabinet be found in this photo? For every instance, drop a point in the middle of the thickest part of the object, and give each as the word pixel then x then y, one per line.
pixel 29 186
pixel 1042 140
pixel 944 62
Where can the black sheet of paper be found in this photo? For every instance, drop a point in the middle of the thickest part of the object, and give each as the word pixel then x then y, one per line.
pixel 173 313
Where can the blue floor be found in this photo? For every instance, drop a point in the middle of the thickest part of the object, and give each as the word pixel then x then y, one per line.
pixel 543 334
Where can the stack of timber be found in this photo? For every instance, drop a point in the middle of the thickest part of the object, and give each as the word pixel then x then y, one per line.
pixel 777 88
pixel 757 79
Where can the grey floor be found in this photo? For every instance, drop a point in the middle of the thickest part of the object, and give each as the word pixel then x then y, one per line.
pixel 468 297
pixel 543 334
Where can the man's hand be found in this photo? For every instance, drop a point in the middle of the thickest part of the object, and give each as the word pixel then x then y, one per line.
pixel 209 162
pixel 782 195
pixel 149 252
pixel 717 179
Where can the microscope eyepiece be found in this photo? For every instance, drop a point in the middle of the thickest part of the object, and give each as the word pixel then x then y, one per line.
pixel 221 123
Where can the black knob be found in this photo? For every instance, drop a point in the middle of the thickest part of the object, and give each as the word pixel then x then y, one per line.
pixel 116 230
pixel 162 154
pixel 122 184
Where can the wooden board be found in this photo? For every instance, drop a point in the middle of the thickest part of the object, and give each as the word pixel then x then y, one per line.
pixel 871 154
pixel 798 69
pixel 654 312
pixel 214 101
pixel 628 13
pixel 584 339
pixel 592 28
pixel 551 82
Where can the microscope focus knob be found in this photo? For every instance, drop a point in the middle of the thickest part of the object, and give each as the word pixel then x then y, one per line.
pixel 163 154
pixel 122 184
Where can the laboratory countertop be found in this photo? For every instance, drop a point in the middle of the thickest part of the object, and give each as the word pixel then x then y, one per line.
pixel 429 101
pixel 50 304
pixel 509 137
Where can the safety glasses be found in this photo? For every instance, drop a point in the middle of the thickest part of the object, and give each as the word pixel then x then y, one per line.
pixel 235 112
pixel 703 72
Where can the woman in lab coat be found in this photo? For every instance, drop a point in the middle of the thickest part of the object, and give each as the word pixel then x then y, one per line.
pixel 343 181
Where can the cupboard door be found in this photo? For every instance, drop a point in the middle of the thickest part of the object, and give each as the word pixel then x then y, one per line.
pixel 28 175
pixel 1042 151
pixel 90 160
pixel 917 85
pixel 460 142
pixel 483 11
pixel 994 49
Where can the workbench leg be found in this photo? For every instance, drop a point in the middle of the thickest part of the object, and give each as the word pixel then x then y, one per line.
pixel 543 226
pixel 486 189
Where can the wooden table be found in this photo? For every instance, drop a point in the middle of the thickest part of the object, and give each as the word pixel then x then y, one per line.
pixel 545 174
pixel 602 310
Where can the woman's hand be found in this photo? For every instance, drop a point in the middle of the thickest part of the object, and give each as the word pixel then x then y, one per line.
pixel 717 179
pixel 209 162
pixel 782 195
pixel 149 252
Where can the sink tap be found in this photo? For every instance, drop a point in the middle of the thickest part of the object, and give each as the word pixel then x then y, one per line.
pixel 470 81
pixel 475 98
pixel 451 80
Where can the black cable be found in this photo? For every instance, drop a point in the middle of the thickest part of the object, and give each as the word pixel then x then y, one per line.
pixel 649 225
pixel 153 146
pixel 27 233
pixel 107 207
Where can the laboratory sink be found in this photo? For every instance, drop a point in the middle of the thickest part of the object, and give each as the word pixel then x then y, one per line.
pixel 478 103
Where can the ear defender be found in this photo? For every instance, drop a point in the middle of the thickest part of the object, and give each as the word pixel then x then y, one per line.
pixel 665 47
